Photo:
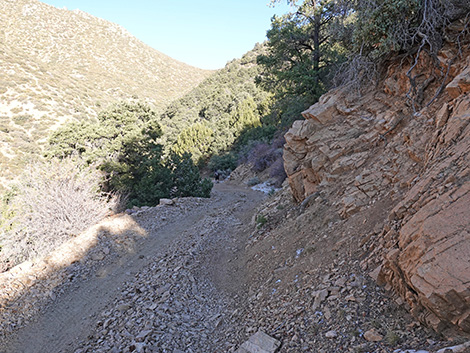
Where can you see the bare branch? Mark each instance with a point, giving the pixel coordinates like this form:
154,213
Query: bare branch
57,200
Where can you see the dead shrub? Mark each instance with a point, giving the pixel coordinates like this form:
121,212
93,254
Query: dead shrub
53,201
356,73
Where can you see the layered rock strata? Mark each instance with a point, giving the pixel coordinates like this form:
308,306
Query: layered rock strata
360,150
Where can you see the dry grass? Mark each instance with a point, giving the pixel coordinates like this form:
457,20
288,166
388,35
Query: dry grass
53,202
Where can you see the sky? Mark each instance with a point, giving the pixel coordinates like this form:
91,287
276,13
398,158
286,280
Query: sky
203,33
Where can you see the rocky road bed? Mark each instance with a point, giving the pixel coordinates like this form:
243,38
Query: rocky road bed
201,275
155,297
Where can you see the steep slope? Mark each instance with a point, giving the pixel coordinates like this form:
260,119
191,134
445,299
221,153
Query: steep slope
212,116
57,64
375,154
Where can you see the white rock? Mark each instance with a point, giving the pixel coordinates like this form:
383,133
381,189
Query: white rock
331,334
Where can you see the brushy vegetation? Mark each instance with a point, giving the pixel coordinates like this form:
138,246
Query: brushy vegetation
87,164
104,64
226,161
52,202
210,118
350,40
228,115
261,220
318,45
124,143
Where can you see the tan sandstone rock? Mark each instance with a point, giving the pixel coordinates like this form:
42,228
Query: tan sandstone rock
355,152
431,265
460,84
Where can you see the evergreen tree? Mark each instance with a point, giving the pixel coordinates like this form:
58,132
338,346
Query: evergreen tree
196,140
302,49
186,180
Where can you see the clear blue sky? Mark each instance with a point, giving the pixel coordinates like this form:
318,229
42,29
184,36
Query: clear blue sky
202,33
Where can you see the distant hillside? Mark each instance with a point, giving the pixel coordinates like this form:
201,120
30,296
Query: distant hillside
57,65
211,118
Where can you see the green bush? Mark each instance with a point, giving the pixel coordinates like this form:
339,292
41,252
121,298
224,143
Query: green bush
22,119
124,144
260,133
253,181
186,179
382,25
224,161
261,220
5,127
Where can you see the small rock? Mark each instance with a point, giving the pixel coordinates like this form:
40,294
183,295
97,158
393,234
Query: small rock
350,298
98,256
373,336
260,342
331,334
139,347
143,334
320,296
340,282
123,307
166,202
327,313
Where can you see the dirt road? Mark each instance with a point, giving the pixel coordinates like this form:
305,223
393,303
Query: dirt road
172,263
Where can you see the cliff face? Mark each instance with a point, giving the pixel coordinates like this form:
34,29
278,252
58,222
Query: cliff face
360,151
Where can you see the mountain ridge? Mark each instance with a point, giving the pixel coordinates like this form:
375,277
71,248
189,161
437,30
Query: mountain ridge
58,64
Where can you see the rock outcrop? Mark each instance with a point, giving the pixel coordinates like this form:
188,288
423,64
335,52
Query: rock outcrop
360,150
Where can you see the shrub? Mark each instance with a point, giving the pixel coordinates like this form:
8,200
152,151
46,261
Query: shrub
278,172
263,156
5,127
260,133
261,220
186,179
52,202
253,181
392,338
22,119
278,142
223,162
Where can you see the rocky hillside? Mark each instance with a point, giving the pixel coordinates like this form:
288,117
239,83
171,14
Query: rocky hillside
364,249
57,64
401,173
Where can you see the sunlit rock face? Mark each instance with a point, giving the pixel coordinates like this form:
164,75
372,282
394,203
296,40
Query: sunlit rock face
360,149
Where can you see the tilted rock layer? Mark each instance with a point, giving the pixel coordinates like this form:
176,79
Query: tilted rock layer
362,149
